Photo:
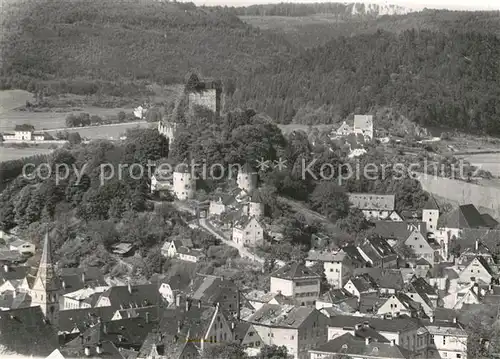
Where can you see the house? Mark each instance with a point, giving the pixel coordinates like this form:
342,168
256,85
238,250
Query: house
461,297
373,206
24,247
400,304
337,267
363,125
208,289
72,322
297,281
26,332
190,254
343,130
297,328
446,339
170,288
422,292
376,251
387,281
321,240
82,298
245,334
478,250
73,279
397,232
350,346
14,278
248,231
162,181
257,298
422,247
123,249
406,332
361,284
222,203
477,271
128,296
171,248
335,297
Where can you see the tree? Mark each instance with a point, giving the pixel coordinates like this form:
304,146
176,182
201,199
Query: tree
274,352
71,120
122,116
354,222
7,216
74,138
224,351
330,200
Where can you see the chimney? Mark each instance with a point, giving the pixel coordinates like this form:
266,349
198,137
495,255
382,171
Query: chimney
178,300
232,325
455,320
14,293
367,340
104,328
129,288
477,245
87,351
147,317
475,289
432,318
366,324
178,326
98,348
83,277
188,304
358,326
5,267
393,342
63,283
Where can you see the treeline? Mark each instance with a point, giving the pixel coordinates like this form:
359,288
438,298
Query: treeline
341,10
435,79
85,119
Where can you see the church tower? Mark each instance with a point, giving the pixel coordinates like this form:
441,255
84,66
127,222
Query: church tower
46,288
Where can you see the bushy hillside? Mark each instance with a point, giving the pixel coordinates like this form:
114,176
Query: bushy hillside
432,77
319,27
129,40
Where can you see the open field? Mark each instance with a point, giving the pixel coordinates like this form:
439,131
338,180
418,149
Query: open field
13,153
108,132
488,162
289,23
12,99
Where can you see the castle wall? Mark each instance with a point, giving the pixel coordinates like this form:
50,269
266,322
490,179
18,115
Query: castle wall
211,98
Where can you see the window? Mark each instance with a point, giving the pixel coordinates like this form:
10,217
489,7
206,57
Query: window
459,356
445,354
444,340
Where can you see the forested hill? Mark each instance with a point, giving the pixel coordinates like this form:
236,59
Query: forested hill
129,40
435,78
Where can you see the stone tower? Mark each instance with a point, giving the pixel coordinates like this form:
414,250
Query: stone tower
184,182
430,214
247,178
255,208
168,129
47,287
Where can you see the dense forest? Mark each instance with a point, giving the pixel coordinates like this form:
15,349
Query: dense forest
437,68
93,46
437,79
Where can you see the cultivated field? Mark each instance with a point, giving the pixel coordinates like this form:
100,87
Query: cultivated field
108,132
13,153
488,162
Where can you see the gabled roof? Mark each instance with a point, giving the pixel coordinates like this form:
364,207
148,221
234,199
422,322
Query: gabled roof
398,230
363,121
489,221
208,289
371,201
465,216
409,303
383,277
24,127
378,246
294,270
335,296
83,318
431,204
394,325
132,296
364,283
353,253
283,316
351,346
13,273
420,285
483,262
25,331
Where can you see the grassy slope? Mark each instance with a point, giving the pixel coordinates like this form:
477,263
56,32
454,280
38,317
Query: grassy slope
128,40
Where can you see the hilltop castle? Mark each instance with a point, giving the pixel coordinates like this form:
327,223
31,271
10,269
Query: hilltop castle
205,93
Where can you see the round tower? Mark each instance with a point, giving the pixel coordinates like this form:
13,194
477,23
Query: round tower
184,182
247,178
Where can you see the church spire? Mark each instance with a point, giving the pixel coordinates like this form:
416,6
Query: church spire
46,275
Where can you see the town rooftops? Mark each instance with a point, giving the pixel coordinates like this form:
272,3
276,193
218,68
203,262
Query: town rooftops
81,319
395,325
324,256
398,230
349,345
26,332
376,247
364,283
128,296
353,254
421,286
444,328
370,201
283,316
465,216
382,277
295,270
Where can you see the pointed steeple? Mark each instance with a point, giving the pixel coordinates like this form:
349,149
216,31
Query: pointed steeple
46,276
